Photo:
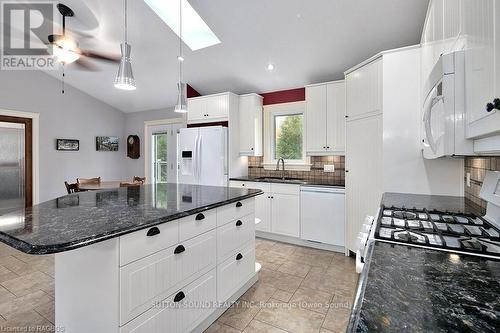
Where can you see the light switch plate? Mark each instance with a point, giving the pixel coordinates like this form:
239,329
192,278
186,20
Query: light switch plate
329,168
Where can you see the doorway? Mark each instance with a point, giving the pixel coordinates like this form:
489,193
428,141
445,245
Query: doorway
16,163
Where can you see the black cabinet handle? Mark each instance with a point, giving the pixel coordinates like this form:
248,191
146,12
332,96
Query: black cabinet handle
200,217
153,232
493,106
489,107
179,249
239,223
239,256
239,204
328,147
179,297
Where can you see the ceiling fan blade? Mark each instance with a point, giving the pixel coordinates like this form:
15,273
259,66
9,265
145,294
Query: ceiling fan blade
86,65
100,55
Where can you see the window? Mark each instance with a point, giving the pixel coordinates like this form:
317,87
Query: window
284,136
160,157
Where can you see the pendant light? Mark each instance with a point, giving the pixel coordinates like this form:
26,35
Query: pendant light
181,105
125,78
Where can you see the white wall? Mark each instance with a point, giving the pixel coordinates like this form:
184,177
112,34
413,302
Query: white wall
73,115
405,170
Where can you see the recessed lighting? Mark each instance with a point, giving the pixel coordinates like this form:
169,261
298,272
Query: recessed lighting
270,67
195,32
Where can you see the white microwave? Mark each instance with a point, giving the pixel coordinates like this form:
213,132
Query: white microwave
444,109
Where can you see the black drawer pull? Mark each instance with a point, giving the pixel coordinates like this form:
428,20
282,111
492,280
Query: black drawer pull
239,223
179,249
200,217
179,297
153,232
239,256
239,204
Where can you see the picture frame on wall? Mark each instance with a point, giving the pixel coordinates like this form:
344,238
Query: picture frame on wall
106,143
67,144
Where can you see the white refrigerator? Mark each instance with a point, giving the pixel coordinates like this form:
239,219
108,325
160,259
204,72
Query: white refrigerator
203,156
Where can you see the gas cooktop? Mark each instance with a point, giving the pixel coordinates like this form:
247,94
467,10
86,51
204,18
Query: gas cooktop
445,230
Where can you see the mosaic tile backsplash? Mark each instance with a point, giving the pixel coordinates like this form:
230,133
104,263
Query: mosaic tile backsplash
477,168
255,169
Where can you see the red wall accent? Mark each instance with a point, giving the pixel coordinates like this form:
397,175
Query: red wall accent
284,96
191,92
217,123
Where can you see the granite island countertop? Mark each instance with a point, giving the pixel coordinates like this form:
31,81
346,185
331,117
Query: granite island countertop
296,182
410,289
84,218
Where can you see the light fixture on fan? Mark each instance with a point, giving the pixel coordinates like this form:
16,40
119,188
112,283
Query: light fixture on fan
181,105
125,78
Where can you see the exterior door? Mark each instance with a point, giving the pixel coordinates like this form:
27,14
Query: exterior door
15,163
164,162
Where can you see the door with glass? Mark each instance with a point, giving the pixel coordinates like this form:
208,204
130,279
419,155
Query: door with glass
164,153
15,164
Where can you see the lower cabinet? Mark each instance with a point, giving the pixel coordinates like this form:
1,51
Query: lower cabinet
181,311
285,214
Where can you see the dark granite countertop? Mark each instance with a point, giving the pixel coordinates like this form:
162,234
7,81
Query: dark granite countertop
85,218
410,289
297,182
429,202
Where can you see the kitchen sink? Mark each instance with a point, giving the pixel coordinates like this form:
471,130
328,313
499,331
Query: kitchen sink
283,180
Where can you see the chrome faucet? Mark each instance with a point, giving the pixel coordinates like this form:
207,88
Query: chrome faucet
278,167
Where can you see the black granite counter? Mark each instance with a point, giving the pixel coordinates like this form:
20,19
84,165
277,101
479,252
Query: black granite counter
429,202
84,218
295,182
410,289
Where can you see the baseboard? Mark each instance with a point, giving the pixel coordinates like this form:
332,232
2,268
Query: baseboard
300,242
219,311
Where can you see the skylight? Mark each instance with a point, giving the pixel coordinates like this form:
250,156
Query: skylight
195,32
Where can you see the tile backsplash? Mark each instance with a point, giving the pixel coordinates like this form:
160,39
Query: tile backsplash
255,169
477,168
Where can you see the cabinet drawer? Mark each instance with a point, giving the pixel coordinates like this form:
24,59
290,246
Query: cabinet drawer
265,187
235,271
172,315
197,224
233,235
153,278
234,211
142,243
286,189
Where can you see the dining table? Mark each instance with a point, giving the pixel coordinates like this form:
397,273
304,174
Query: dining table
104,185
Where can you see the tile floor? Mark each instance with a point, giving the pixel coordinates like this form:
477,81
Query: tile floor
299,290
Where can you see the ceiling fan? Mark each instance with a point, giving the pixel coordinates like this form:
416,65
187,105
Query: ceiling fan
66,51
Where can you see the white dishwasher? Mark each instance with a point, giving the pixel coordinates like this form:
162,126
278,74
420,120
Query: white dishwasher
323,214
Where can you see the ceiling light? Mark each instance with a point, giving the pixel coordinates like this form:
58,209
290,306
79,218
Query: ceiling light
65,50
125,78
270,67
196,33
181,105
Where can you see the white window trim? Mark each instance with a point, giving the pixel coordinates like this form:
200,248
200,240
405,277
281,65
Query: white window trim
276,110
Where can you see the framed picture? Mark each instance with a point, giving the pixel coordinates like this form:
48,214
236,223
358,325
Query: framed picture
67,144
106,143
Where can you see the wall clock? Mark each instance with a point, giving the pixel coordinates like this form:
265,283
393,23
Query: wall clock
133,146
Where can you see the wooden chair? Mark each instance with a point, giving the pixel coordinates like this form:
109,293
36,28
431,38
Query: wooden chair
96,180
130,184
141,180
72,188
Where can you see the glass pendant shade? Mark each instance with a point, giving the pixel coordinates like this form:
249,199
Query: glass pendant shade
181,105
125,78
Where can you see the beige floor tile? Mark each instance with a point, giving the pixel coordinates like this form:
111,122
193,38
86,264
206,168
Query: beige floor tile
6,274
270,256
311,299
283,249
27,321
17,266
280,280
256,326
239,315
320,281
282,296
47,310
11,308
318,259
291,319
323,330
296,269
259,292
29,283
218,327
5,295
263,244
337,317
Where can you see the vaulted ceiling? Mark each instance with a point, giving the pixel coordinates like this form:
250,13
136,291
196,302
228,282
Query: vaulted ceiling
308,41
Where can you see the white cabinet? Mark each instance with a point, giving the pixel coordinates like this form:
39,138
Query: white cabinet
250,110
325,118
263,212
211,108
364,91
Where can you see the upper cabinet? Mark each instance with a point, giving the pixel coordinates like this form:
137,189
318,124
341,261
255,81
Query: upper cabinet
251,125
211,108
325,118
364,90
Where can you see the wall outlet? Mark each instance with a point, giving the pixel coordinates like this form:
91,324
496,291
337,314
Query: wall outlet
467,179
329,168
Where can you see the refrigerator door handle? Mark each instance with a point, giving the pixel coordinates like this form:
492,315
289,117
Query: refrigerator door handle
195,160
199,158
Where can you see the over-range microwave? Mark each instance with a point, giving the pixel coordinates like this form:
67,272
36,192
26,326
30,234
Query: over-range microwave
444,117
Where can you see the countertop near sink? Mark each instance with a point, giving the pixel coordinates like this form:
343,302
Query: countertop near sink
298,182
410,289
